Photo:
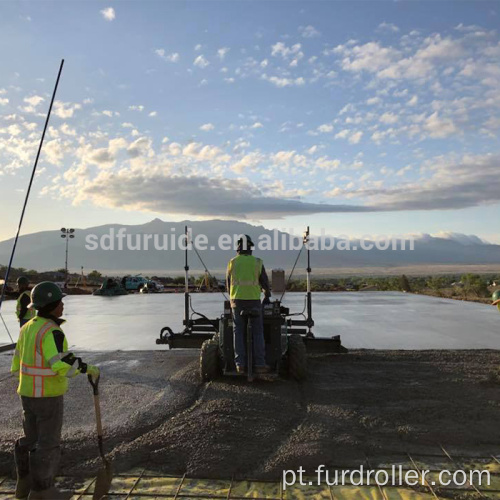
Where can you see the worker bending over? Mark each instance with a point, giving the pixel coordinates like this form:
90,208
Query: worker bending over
44,365
23,312
246,277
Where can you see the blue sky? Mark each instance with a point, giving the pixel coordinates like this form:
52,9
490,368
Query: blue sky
356,117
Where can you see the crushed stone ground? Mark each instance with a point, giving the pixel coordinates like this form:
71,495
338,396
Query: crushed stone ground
157,412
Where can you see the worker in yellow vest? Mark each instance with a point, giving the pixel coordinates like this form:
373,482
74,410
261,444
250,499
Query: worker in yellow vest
246,278
23,312
44,365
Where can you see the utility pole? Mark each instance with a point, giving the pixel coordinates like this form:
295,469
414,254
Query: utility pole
67,233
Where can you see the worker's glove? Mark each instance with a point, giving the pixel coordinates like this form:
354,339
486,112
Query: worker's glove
266,301
93,371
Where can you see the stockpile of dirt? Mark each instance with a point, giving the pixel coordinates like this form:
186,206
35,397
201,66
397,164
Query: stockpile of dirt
373,403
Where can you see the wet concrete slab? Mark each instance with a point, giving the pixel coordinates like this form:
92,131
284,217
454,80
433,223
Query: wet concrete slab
369,320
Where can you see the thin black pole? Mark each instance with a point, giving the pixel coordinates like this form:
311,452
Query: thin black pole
29,188
186,282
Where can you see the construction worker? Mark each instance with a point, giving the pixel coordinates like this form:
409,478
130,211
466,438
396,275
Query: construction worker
496,299
245,279
23,312
44,365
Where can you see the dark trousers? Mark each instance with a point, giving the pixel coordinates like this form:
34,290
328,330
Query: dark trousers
257,325
38,452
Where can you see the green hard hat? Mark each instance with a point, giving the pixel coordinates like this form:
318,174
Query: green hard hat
23,281
496,295
45,293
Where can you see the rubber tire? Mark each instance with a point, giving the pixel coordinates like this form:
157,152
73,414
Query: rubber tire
209,360
297,357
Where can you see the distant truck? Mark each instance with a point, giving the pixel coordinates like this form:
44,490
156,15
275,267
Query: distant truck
133,283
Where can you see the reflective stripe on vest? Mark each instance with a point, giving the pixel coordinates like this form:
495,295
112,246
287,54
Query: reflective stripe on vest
43,372
244,272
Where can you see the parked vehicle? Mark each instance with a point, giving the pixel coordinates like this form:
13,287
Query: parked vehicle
133,283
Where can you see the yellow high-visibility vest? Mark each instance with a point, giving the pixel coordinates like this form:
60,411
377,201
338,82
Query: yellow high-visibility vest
42,373
244,272
30,313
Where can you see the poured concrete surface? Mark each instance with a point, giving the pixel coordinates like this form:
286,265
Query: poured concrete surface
371,320
157,413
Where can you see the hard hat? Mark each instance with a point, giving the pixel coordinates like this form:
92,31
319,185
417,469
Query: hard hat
23,281
45,293
245,242
496,295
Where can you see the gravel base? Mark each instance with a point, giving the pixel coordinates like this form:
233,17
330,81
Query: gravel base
157,412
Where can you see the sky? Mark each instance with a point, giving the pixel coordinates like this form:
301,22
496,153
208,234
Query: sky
353,117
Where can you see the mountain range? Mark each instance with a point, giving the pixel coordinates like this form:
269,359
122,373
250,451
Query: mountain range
46,250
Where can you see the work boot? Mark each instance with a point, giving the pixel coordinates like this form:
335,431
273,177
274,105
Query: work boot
21,459
23,486
50,494
241,369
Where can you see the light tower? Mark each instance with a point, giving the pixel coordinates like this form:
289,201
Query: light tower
67,233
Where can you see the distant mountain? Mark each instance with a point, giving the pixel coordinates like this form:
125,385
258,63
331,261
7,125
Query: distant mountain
46,250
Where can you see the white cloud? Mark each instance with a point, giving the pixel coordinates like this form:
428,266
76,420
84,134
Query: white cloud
197,47
373,100
327,164
257,125
139,108
370,57
413,101
4,101
325,128
280,49
284,82
309,31
110,113
221,53
207,127
388,27
54,151
439,127
201,62
352,136
173,57
34,100
67,130
355,137
108,14
65,109
248,161
153,113
388,118
127,125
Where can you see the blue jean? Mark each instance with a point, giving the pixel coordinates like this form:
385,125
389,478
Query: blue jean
259,346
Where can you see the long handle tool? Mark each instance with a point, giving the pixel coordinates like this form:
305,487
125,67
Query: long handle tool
105,474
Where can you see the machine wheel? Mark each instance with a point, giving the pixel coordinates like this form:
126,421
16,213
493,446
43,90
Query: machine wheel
297,357
209,360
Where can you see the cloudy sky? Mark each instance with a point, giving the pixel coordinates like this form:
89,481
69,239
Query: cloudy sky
357,117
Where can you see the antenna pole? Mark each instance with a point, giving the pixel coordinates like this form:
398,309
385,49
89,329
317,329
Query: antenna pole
186,281
4,288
